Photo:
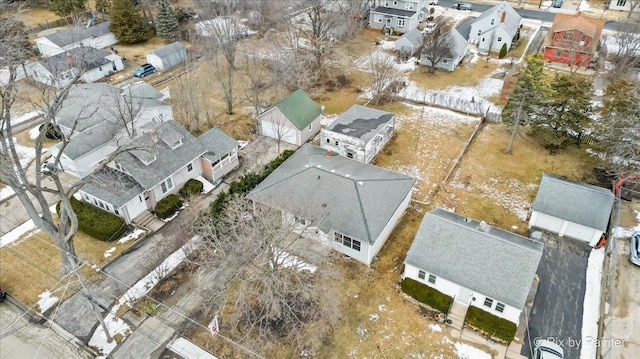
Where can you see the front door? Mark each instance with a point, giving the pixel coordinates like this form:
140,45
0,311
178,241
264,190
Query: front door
464,296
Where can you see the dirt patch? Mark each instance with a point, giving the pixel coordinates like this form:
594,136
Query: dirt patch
35,15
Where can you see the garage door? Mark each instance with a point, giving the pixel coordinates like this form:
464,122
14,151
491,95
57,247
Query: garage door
273,130
580,232
550,223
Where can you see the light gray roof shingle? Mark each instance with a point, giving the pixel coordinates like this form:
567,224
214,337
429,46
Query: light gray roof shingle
217,143
167,161
91,139
574,201
361,122
172,54
72,35
413,36
464,28
335,192
511,20
457,44
113,187
83,57
493,262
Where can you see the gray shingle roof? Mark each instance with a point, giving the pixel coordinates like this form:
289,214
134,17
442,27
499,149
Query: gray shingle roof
172,54
574,201
335,192
511,20
217,144
494,262
83,57
413,36
167,161
464,28
91,139
395,12
361,122
72,35
113,186
457,44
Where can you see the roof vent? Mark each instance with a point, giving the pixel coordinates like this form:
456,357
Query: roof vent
319,166
483,226
360,183
347,176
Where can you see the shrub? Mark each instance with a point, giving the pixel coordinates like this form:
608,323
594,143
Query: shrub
217,207
491,324
503,51
271,166
168,206
427,295
97,223
191,188
245,183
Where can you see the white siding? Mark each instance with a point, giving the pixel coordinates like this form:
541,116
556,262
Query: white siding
46,47
544,221
565,228
179,178
388,228
133,208
156,61
509,313
346,144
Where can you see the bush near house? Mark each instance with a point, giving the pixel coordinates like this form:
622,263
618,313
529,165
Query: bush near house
491,324
96,222
427,295
191,188
168,206
503,51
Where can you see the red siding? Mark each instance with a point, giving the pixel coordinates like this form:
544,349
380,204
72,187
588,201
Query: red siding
581,56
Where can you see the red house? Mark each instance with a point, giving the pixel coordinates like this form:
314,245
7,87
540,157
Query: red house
573,39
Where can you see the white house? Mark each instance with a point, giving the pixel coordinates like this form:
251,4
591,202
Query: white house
572,209
495,27
167,57
165,158
359,133
97,36
96,116
94,64
456,50
398,16
474,263
409,43
346,204
295,119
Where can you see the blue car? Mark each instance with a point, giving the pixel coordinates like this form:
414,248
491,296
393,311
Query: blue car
557,3
144,70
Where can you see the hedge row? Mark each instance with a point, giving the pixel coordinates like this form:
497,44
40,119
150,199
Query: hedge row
191,188
168,206
491,324
96,222
427,295
245,184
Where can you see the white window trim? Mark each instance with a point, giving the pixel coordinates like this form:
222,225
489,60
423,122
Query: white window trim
166,185
401,22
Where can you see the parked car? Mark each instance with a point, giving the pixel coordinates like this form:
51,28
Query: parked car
3,294
144,70
557,3
634,256
429,28
545,349
462,6
433,2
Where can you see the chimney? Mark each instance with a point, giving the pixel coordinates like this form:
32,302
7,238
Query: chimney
329,153
483,226
154,137
504,15
70,60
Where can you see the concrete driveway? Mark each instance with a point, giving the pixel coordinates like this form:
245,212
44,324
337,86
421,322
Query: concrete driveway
557,310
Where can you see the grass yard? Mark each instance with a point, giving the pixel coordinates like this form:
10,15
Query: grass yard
465,75
35,15
499,188
31,265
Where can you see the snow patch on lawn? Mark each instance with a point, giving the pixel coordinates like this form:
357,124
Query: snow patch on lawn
137,291
591,311
34,132
109,252
133,235
326,120
27,227
6,192
288,260
466,351
25,117
435,328
46,301
622,232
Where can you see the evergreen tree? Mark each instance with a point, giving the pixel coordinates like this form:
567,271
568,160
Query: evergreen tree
103,6
567,112
167,25
503,51
64,8
527,97
127,23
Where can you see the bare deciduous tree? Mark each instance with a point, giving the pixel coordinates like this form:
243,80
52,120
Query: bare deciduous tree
260,80
437,44
627,54
382,73
265,293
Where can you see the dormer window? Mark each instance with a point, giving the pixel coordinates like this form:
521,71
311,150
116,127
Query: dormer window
149,161
176,145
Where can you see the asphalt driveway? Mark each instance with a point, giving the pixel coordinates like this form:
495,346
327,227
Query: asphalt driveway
557,310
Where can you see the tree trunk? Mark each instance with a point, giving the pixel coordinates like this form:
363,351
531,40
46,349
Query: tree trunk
514,132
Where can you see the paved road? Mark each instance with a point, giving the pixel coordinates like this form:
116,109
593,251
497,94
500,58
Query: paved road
557,310
21,338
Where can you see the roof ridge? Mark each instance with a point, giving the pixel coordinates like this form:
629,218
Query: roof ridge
587,186
364,216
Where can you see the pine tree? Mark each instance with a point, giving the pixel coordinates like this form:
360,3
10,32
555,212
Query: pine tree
127,23
527,97
64,8
167,25
103,6
503,51
567,112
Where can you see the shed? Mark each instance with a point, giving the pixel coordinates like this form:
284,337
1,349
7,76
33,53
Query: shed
295,119
409,43
167,57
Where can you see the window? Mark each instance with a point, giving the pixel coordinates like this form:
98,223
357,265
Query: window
140,198
378,18
621,2
395,2
500,307
432,279
422,274
408,6
328,140
167,185
115,210
559,53
400,22
488,302
336,143
311,126
189,167
479,32
493,21
584,37
349,155
347,241
499,38
567,36
445,61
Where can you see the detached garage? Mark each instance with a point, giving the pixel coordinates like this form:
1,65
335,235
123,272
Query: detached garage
573,209
295,119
